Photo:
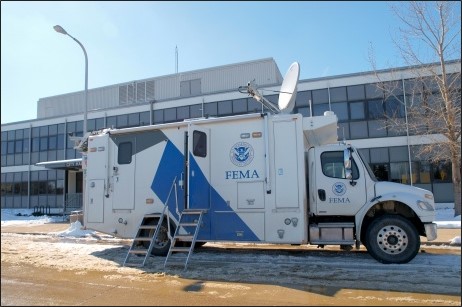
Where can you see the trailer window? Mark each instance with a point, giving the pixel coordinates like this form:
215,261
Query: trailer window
332,165
199,144
125,153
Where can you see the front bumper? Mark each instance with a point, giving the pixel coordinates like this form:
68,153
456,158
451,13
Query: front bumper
431,231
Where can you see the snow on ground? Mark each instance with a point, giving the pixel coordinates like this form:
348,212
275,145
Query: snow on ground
79,249
445,219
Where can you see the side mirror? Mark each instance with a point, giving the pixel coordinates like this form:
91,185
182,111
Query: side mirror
347,163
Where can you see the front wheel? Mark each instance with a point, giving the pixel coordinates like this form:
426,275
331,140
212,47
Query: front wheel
392,239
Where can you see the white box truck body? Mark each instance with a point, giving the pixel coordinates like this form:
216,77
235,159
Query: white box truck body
263,178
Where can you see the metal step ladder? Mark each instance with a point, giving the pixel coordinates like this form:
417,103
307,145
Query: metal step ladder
186,231
138,253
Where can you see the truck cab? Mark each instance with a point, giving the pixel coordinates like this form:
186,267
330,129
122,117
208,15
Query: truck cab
348,204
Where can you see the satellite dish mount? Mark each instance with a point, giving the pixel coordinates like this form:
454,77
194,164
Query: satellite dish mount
287,93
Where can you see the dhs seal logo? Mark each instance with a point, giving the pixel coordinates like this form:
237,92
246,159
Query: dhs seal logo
241,154
339,188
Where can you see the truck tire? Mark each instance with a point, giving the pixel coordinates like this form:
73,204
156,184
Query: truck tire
392,239
162,244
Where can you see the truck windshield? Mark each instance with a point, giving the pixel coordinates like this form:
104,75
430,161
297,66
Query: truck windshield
366,165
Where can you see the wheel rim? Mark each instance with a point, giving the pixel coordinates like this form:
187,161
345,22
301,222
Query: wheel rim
162,237
392,239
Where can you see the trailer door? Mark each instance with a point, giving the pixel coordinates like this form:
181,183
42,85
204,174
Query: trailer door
198,168
123,173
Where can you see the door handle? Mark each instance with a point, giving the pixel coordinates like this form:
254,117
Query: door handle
322,194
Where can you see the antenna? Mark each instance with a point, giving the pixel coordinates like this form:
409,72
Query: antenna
176,59
287,93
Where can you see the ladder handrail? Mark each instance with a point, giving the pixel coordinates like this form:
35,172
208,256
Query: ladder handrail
165,213
166,206
197,224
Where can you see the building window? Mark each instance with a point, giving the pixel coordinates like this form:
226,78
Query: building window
211,109
341,110
111,122
355,92
225,107
122,121
424,172
182,113
373,91
394,108
357,110
381,171
195,110
375,109
337,94
303,99
399,172
158,117
442,172
170,115
319,109
133,119
190,88
240,106
358,130
144,118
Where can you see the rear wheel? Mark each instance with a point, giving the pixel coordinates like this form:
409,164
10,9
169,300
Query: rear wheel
162,243
392,239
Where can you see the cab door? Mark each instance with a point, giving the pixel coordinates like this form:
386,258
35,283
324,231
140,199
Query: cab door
335,194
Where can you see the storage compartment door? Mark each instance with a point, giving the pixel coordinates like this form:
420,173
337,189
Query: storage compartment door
95,201
285,164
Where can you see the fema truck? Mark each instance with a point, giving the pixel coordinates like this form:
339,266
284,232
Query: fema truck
272,177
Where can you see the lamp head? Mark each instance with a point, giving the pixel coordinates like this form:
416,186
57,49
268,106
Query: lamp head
60,29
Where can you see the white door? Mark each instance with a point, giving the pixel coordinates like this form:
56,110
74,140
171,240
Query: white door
123,173
198,167
334,193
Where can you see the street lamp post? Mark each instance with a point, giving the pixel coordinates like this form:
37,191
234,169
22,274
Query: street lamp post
59,29
62,31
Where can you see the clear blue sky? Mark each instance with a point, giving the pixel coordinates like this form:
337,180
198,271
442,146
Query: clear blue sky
127,41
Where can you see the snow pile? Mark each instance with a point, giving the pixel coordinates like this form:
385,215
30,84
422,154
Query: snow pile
455,241
25,216
75,230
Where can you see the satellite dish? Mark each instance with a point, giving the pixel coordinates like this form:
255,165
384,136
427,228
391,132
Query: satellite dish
288,92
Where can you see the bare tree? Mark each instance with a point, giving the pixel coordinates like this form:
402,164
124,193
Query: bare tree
428,94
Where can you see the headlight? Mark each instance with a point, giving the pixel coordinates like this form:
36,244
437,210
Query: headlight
425,205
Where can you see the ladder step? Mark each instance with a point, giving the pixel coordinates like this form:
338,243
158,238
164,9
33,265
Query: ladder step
188,224
138,251
184,237
180,249
192,211
148,227
151,215
142,239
